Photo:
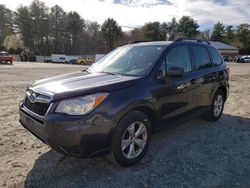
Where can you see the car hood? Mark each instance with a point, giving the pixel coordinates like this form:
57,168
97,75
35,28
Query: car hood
80,83
5,56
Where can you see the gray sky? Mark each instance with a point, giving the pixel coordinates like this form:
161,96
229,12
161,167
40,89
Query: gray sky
132,13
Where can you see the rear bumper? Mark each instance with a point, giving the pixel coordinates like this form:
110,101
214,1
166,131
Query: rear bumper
83,136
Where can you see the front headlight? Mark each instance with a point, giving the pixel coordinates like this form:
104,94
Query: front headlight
80,105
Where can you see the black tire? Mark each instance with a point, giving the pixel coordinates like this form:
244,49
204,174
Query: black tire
117,154
211,115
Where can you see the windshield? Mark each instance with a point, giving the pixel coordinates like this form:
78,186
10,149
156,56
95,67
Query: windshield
128,60
3,53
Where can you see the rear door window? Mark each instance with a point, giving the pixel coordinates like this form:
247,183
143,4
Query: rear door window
215,56
200,57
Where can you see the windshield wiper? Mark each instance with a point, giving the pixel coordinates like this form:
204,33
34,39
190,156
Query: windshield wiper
111,73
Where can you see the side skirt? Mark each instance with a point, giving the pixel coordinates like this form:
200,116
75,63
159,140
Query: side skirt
181,120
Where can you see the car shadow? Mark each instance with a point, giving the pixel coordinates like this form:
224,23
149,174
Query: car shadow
195,154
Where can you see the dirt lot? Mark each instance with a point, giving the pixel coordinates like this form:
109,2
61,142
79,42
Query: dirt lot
196,154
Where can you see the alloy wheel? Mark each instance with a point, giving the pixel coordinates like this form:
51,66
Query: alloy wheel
218,105
134,140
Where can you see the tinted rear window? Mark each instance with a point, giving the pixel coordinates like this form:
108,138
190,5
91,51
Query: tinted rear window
200,57
215,56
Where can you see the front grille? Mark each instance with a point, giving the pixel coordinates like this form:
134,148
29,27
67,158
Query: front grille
38,108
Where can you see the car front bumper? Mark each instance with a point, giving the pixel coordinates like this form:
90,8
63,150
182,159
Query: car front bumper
79,136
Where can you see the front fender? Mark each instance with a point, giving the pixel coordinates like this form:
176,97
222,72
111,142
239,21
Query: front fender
121,102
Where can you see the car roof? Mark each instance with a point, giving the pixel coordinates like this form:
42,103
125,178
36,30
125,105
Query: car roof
151,43
167,43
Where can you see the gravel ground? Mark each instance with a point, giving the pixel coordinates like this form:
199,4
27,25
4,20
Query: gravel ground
195,154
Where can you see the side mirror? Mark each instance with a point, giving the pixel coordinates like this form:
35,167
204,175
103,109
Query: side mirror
175,72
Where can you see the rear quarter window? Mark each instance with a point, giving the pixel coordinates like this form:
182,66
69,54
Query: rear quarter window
215,56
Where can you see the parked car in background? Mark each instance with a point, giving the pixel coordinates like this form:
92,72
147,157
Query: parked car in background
135,90
244,59
6,58
72,61
58,58
85,61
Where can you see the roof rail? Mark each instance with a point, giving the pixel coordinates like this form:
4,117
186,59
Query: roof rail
137,41
197,40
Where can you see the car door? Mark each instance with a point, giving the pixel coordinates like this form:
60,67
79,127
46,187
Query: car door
175,96
205,75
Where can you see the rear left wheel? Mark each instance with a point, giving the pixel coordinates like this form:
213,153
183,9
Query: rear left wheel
216,107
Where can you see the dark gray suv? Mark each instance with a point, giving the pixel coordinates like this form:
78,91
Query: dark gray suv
132,92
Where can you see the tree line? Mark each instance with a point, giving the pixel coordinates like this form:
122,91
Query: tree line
52,30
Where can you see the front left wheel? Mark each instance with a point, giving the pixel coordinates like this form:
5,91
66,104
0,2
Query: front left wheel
131,139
